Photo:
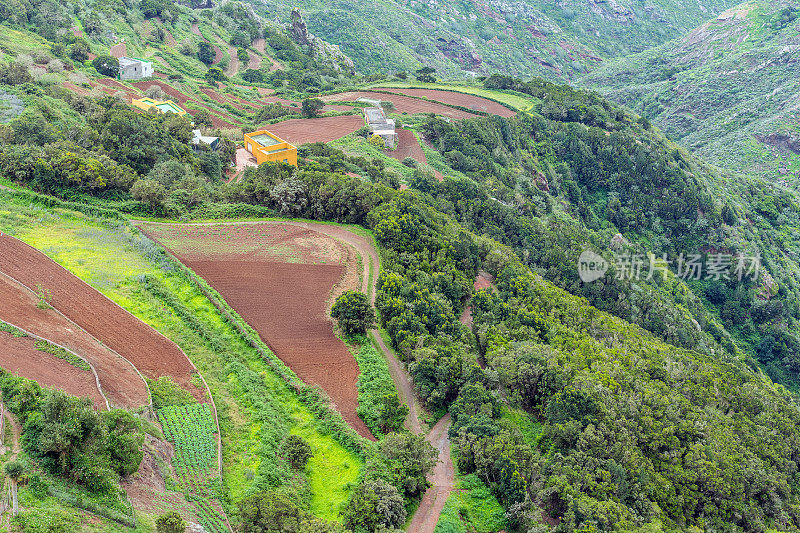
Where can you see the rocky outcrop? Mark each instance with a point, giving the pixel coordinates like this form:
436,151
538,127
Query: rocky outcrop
461,52
324,52
784,142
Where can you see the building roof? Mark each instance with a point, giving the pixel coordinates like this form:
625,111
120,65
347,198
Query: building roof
375,115
266,139
125,61
198,137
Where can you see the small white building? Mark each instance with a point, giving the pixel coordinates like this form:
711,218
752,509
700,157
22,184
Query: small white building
131,68
198,138
381,126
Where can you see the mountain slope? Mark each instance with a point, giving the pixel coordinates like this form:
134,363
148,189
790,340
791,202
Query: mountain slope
520,37
729,90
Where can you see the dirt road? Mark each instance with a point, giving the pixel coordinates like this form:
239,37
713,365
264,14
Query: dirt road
441,478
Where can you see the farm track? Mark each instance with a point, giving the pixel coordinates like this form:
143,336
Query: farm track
119,381
147,350
442,477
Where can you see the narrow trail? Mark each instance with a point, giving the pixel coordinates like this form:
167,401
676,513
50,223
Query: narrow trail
442,476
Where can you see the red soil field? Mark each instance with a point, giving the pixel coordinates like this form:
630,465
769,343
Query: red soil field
455,98
408,146
150,352
300,131
119,380
402,104
259,44
19,356
285,302
233,65
214,95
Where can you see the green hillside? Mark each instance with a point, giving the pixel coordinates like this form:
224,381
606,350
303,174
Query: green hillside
727,91
554,40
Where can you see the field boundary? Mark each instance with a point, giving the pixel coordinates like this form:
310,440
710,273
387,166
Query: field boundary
309,395
94,372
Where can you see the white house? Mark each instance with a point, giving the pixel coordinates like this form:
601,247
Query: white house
131,68
381,126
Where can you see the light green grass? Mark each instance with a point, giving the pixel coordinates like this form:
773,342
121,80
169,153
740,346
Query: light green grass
471,507
107,259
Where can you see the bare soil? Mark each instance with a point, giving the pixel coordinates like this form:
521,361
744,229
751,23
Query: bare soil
408,146
119,381
469,101
402,104
19,356
150,352
280,279
300,131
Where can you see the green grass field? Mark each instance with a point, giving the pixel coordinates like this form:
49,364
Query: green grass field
255,406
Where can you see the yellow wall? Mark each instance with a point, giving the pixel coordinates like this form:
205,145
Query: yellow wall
147,103
287,152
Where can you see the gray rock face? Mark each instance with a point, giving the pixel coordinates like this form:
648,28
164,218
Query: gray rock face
326,53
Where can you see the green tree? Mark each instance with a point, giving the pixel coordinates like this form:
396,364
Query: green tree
391,413
106,65
215,74
297,451
170,522
14,471
426,75
150,192
125,440
312,107
252,76
375,505
202,118
205,53
267,512
80,51
354,312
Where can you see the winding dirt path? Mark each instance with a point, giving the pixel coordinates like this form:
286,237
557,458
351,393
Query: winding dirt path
441,478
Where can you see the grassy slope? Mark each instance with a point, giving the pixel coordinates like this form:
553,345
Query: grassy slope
106,259
719,87
534,37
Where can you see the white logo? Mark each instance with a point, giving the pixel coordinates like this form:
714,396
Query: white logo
591,266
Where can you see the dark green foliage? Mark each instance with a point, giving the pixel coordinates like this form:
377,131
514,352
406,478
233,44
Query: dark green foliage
374,505
205,53
14,469
354,313
297,451
215,74
402,460
426,75
274,512
170,522
80,51
252,76
312,107
106,65
69,438
154,8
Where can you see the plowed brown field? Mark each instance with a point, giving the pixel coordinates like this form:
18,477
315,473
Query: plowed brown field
19,356
455,98
150,352
121,383
402,104
279,278
299,131
408,146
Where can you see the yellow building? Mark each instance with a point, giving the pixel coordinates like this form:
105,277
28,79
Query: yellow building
164,106
267,147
